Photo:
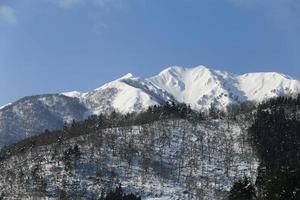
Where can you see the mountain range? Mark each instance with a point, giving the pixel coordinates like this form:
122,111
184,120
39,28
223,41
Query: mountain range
200,87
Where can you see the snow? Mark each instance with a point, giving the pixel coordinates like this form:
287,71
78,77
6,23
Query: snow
258,86
199,87
128,97
1,107
129,75
72,94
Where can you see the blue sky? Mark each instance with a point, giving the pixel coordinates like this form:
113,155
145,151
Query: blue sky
49,46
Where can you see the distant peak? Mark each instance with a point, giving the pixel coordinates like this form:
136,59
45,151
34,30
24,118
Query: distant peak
72,94
2,107
270,74
277,74
182,71
201,67
172,68
129,75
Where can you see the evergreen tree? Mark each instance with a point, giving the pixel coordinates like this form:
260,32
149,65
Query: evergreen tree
242,190
276,137
118,194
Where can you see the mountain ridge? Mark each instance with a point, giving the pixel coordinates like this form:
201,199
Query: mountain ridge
200,87
175,79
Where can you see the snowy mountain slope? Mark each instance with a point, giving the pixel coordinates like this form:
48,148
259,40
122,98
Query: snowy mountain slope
200,87
259,86
127,94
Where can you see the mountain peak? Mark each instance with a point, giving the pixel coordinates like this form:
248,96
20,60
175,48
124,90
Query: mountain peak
127,76
2,107
200,87
180,69
72,94
172,69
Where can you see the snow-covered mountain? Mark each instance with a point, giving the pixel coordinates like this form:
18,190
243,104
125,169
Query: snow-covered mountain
199,87
126,94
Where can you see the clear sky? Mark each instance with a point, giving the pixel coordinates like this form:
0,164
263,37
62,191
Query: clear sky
49,46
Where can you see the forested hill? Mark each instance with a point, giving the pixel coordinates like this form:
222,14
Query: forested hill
166,152
94,123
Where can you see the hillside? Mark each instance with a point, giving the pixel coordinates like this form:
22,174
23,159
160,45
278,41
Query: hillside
167,159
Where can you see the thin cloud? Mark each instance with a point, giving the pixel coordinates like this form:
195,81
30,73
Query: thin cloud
100,3
101,20
276,9
68,3
268,4
7,14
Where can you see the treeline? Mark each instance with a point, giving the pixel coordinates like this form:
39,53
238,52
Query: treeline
117,194
275,136
280,102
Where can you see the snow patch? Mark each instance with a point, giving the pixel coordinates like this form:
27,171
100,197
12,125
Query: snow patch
73,94
1,107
